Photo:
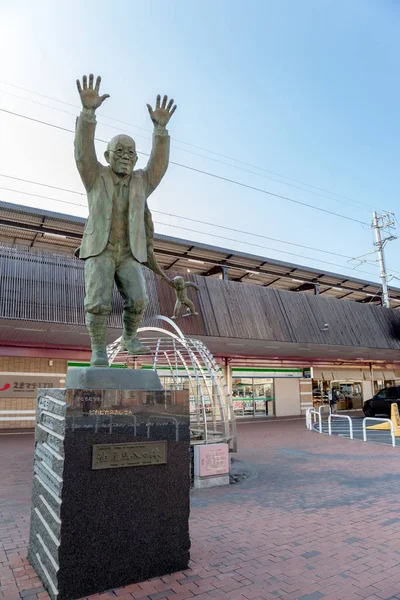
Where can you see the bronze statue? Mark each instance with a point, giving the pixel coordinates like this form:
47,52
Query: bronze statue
118,237
181,286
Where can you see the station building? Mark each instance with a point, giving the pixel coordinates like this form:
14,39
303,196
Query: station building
283,334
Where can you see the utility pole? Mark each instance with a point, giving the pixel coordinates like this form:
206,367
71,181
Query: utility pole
380,222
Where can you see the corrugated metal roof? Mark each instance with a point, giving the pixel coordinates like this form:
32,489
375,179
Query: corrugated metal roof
49,230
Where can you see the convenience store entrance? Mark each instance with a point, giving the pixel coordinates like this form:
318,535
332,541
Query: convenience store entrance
253,397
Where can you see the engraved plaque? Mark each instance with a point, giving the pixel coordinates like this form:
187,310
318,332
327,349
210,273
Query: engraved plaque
211,459
53,405
140,454
44,454
48,421
47,476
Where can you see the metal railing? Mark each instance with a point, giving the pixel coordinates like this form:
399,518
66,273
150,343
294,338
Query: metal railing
311,418
331,416
312,415
380,421
322,408
308,417
185,363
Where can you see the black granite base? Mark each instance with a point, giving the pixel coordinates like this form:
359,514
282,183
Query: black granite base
93,529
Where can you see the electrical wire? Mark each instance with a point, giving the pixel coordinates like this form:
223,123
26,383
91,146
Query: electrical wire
53,187
259,246
68,202
43,197
68,112
160,212
187,144
220,237
265,237
214,175
187,218
361,205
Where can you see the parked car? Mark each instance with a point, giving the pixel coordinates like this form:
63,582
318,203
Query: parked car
381,403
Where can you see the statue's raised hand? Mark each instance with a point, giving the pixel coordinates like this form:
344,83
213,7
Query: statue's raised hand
162,113
90,96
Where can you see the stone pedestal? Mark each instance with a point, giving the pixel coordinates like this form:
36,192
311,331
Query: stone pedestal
106,378
110,503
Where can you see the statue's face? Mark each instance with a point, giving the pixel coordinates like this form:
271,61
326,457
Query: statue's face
121,155
179,281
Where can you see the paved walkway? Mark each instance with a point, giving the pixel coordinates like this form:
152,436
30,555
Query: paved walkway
318,518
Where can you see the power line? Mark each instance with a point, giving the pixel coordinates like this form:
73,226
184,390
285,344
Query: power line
169,215
258,235
215,176
221,237
68,112
53,187
221,162
256,189
10,112
259,246
374,263
192,146
43,197
18,87
200,232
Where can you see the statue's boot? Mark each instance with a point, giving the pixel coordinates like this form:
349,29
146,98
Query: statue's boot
97,327
130,341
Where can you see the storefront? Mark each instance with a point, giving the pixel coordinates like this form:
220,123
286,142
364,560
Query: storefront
352,386
254,390
384,379
253,397
349,393
253,328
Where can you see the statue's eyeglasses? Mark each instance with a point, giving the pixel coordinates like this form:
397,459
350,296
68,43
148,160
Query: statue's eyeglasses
121,153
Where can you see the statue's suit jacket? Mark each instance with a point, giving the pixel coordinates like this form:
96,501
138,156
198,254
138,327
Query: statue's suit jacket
99,186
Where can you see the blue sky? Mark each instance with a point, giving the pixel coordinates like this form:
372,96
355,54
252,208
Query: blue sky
307,90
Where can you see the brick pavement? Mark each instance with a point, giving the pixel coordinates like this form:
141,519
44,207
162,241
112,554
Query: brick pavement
317,519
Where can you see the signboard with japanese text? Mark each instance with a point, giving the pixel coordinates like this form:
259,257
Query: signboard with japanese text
112,456
25,386
211,460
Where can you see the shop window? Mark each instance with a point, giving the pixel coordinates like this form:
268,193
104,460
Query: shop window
379,384
175,383
348,393
253,397
320,391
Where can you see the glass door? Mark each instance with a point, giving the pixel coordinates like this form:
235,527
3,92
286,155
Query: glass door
263,397
242,397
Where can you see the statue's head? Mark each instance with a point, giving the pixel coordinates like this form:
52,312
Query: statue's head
179,281
121,154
